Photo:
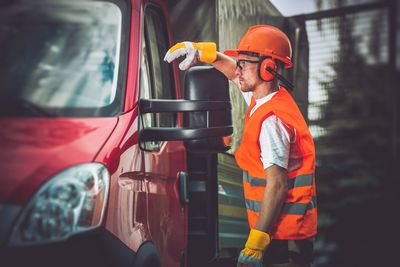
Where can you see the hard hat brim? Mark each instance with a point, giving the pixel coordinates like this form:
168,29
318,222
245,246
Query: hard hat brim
232,52
235,52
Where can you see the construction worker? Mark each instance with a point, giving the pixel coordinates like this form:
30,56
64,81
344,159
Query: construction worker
277,151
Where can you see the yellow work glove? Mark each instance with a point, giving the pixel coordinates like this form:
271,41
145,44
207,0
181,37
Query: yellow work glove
205,52
252,254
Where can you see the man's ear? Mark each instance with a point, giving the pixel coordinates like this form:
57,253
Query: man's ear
279,66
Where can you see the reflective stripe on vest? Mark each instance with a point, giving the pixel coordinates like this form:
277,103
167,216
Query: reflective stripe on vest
288,208
298,181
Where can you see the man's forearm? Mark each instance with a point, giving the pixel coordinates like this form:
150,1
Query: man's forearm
272,202
226,65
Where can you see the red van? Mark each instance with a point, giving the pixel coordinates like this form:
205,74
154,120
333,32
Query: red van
102,162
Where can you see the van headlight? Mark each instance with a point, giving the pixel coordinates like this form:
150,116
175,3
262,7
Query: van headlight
71,202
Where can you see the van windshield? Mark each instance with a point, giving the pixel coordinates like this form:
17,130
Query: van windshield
59,58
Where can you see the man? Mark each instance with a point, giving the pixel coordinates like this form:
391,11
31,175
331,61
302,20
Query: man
277,151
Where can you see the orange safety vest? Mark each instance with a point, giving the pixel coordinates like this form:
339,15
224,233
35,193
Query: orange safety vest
298,217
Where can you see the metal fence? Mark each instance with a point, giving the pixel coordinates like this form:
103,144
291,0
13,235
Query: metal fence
352,115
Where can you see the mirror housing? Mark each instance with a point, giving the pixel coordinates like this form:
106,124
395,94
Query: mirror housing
207,84
206,112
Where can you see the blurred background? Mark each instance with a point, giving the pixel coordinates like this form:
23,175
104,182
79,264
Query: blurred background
346,67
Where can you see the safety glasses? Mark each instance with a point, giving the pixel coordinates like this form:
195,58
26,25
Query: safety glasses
241,63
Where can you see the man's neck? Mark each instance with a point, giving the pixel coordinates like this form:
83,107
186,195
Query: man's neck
265,88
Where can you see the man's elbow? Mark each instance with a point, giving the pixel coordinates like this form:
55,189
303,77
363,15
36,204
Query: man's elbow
282,186
277,179
279,186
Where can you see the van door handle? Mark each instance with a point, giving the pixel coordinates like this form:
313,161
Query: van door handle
183,187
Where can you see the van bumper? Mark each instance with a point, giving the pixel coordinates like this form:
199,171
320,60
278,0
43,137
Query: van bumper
97,248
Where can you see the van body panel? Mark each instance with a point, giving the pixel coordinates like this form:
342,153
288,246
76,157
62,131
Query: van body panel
33,150
145,195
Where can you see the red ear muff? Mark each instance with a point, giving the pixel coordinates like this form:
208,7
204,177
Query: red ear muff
263,73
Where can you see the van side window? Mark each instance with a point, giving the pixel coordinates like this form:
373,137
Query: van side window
156,76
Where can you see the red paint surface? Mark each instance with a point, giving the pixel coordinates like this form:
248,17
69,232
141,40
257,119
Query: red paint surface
143,203
33,150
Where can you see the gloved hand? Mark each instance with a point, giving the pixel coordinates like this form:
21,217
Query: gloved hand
205,52
252,254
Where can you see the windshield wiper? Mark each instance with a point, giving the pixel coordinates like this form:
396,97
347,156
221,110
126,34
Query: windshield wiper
21,107
35,108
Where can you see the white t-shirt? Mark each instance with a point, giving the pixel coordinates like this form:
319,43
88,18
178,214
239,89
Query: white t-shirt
277,139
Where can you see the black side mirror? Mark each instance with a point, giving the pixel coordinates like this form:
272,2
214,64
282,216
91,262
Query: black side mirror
206,112
207,84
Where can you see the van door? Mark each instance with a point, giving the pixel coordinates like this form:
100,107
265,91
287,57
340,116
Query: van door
164,160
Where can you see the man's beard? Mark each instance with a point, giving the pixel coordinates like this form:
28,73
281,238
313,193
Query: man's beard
246,87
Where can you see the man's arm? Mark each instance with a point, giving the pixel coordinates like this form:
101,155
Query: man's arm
259,237
226,65
274,197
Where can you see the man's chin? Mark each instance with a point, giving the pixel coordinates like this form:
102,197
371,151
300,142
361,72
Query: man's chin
245,89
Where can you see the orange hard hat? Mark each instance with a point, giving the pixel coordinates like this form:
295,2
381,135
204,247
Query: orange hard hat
265,40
